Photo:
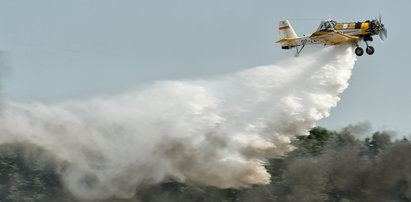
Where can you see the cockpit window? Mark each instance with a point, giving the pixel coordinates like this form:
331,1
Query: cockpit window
322,27
327,25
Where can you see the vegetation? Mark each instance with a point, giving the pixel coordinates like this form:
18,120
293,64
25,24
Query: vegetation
325,166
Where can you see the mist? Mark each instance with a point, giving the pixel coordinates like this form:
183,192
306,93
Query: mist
216,132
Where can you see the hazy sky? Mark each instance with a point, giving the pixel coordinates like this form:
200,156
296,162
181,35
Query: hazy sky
65,50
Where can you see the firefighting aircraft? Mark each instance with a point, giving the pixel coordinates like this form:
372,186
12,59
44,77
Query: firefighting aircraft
332,33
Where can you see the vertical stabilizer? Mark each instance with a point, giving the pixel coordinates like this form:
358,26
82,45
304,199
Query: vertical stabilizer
286,30
287,35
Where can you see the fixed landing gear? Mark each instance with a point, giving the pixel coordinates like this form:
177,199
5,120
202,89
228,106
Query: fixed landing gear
359,51
369,50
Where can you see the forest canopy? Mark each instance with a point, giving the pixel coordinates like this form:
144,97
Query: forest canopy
325,166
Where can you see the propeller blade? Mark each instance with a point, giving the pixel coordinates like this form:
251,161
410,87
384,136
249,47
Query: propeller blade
382,41
383,34
384,31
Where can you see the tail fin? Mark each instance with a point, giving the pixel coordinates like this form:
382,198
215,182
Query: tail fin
287,34
286,30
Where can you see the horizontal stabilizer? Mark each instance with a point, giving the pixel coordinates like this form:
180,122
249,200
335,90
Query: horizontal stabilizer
286,40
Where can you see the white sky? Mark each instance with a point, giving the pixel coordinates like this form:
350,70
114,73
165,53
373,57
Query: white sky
63,50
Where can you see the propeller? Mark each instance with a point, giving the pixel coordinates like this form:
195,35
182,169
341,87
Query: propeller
380,28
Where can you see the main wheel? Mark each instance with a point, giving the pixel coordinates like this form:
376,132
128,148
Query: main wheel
370,50
359,51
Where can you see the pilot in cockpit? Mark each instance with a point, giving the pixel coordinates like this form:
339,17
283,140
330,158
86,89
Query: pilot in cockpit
327,25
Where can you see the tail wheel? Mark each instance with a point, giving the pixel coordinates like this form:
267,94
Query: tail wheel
370,50
359,51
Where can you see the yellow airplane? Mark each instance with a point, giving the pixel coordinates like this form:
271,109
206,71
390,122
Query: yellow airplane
332,33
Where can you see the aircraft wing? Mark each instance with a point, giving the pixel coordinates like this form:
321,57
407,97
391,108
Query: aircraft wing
331,37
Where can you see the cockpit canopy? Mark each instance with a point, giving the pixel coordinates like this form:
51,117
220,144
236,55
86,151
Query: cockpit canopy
327,25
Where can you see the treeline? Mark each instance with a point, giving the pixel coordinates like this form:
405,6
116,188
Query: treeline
326,166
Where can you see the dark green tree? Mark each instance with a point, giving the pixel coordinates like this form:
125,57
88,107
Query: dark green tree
315,142
378,142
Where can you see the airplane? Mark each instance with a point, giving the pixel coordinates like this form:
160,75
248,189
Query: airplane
332,33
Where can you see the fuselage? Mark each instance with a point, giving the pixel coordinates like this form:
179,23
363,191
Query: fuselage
364,30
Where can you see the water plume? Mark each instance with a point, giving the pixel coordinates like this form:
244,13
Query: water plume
216,131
